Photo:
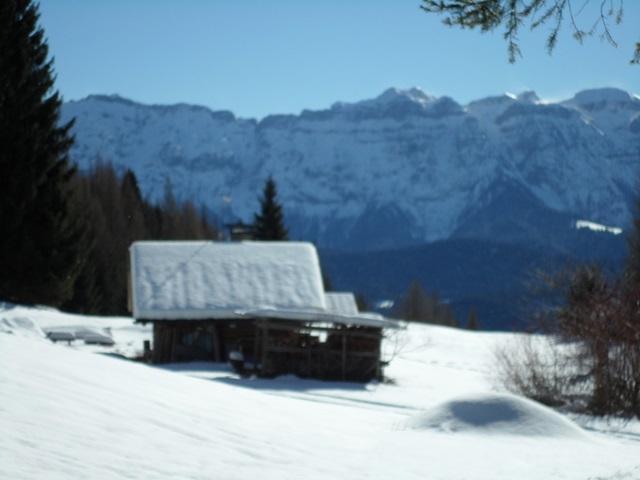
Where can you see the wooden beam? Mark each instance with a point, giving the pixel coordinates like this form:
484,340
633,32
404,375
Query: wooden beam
217,357
265,345
311,350
305,327
344,357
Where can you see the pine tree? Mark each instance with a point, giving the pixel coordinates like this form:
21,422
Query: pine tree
269,223
419,306
416,305
489,15
633,243
472,320
362,303
40,244
87,296
133,208
169,228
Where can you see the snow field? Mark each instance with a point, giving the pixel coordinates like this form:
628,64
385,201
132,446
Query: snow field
66,412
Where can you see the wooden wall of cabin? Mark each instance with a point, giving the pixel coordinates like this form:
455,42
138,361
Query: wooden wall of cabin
238,335
205,340
347,353
276,347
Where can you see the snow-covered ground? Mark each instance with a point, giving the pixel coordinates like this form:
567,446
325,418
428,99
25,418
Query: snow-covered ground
70,411
597,227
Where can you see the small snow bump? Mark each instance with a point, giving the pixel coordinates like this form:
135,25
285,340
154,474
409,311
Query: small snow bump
496,414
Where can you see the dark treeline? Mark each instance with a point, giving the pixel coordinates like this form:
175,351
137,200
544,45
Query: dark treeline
419,306
116,214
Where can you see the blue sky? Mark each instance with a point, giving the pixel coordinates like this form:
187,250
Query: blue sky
256,57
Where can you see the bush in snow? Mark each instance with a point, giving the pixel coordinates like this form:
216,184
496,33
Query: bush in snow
590,359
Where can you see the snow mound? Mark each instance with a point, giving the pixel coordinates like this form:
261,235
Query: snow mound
496,414
21,326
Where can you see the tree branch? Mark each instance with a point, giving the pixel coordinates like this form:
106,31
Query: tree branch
487,15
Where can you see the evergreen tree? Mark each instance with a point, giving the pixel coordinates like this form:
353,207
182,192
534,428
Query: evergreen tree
472,320
489,15
41,241
133,208
108,228
419,306
416,305
169,228
362,303
116,214
633,241
269,223
87,297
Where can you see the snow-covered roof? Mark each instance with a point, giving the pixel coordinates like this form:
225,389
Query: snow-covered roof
204,279
343,303
364,319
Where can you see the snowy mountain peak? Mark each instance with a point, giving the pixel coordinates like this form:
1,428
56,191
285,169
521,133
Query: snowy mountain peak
601,96
390,98
608,109
489,108
106,98
398,169
115,108
414,94
528,97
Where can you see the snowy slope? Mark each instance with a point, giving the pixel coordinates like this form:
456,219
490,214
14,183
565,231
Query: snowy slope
36,323
67,413
401,168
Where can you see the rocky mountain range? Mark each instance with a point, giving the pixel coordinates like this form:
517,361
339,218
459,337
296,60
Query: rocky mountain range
404,168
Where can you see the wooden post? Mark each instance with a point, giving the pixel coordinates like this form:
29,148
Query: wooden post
155,353
146,350
256,346
172,336
216,343
344,357
265,344
378,371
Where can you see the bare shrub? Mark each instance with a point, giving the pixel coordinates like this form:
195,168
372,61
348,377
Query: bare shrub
539,368
395,343
589,359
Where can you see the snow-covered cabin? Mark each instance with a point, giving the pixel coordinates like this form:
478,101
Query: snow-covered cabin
263,301
342,303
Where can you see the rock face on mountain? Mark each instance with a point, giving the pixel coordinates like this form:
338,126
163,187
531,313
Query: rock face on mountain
400,169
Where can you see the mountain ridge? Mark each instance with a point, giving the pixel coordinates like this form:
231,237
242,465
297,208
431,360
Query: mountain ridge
405,167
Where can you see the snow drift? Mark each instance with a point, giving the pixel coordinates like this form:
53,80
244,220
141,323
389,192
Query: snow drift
21,326
496,414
